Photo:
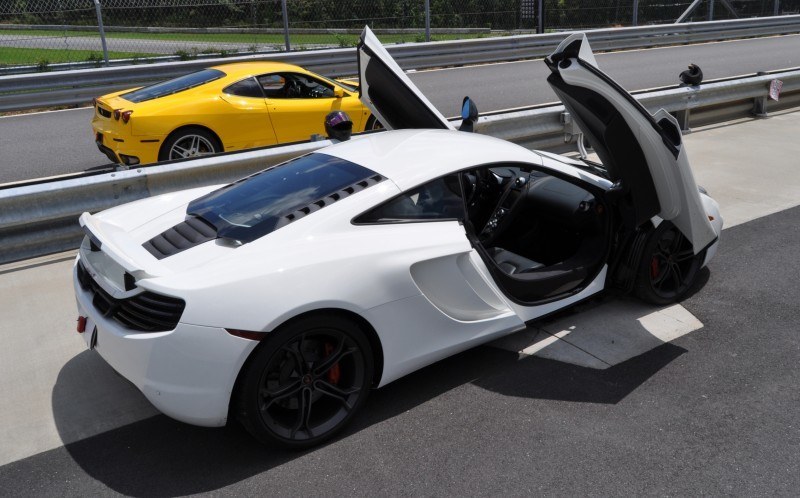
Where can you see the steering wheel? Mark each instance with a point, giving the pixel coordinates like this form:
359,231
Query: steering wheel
293,89
504,210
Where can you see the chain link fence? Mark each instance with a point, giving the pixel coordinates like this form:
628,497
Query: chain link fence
46,34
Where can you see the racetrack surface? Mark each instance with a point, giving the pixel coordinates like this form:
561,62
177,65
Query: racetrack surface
715,412
46,144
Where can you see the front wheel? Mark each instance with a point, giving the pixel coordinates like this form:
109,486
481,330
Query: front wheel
373,124
306,382
669,266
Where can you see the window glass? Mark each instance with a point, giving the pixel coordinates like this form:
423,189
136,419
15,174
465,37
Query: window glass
245,88
254,206
173,86
436,200
294,86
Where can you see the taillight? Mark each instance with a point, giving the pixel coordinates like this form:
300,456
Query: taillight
126,116
116,114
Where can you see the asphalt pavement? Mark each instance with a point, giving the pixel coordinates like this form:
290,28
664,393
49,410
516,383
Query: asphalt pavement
714,412
46,144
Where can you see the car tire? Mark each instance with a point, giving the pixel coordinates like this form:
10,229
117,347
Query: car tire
189,142
373,124
668,268
305,382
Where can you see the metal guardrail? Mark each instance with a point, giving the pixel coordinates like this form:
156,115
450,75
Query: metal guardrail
40,217
27,91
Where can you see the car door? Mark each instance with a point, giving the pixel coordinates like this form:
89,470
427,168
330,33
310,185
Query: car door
244,121
643,151
298,104
391,96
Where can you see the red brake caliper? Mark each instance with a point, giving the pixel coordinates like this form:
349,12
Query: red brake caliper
654,269
334,373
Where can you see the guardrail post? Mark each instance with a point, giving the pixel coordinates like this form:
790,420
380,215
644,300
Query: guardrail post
427,20
286,25
98,11
635,21
683,120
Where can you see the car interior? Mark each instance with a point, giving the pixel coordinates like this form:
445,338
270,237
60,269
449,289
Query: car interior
293,86
541,236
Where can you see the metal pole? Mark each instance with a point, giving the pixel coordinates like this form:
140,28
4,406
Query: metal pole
688,11
540,17
710,10
286,25
635,12
102,30
427,20
776,10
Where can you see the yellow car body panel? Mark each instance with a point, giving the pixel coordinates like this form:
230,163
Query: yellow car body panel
236,122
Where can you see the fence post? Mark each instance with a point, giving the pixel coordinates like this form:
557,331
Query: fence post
427,20
777,8
97,10
540,17
286,25
710,10
635,12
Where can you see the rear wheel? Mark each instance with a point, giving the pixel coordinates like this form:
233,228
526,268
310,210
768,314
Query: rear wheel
669,266
189,142
306,382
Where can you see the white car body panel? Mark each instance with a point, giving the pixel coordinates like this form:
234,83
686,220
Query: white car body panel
371,51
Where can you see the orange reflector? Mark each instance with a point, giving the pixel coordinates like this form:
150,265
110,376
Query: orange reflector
81,324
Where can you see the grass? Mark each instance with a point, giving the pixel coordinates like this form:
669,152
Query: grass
266,39
44,57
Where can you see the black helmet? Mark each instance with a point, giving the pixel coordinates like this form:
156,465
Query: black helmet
338,126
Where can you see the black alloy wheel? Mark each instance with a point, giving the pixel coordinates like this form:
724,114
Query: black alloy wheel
306,382
669,266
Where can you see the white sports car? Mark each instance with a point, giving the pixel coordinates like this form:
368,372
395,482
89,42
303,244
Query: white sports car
283,298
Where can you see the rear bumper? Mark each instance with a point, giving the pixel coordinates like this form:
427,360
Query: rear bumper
113,144
187,373
110,154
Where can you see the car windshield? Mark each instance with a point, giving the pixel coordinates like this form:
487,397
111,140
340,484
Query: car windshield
173,86
259,204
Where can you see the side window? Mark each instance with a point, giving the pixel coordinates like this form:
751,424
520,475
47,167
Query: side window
273,85
245,88
439,199
294,86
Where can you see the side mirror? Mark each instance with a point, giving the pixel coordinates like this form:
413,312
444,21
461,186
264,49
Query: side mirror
338,92
469,115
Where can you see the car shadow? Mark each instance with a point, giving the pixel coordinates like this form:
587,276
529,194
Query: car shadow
158,456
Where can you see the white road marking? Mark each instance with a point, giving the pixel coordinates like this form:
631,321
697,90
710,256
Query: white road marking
44,112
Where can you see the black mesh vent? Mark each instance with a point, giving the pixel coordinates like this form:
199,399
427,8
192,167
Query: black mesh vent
186,234
326,201
145,312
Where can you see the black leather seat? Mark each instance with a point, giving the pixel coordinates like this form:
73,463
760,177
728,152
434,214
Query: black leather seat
512,263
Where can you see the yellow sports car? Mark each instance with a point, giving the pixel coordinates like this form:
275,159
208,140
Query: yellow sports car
222,108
